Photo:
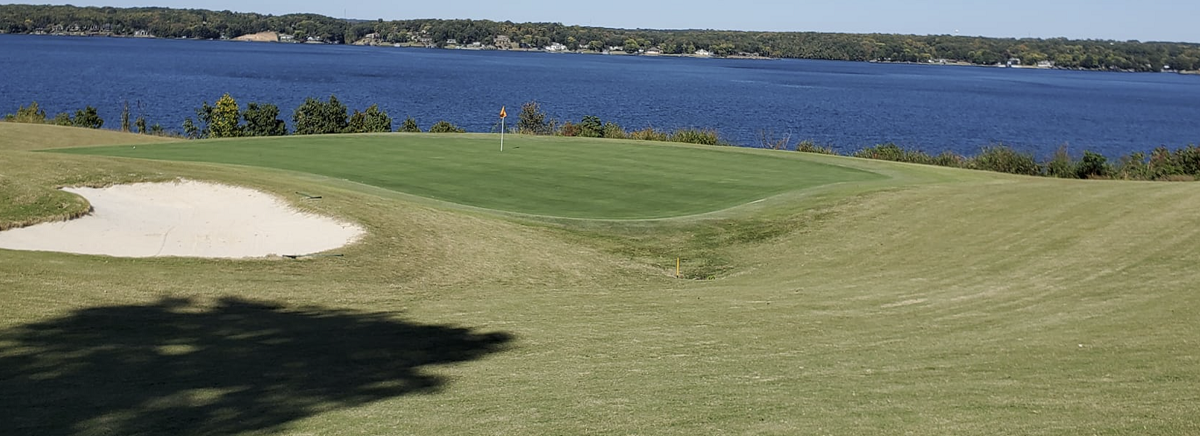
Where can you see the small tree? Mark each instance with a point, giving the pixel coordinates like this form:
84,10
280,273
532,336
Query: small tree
190,130
1092,165
226,119
410,125
125,117
371,120
63,119
315,117
263,120
591,127
141,124
445,127
88,117
532,120
27,114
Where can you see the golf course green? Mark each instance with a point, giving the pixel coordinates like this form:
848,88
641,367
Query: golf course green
534,291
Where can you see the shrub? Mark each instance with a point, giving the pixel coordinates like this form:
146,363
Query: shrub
1061,164
1133,167
125,117
315,117
613,131
1162,163
950,159
810,146
591,127
895,153
1004,159
532,120
410,125
263,120
27,114
445,127
1093,165
568,129
371,120
88,117
696,136
220,121
63,119
1188,160
649,134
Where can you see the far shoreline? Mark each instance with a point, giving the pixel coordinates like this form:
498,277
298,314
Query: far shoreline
947,62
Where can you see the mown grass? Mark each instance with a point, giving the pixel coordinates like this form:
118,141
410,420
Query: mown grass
936,301
549,176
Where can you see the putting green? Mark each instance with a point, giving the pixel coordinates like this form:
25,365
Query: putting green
534,175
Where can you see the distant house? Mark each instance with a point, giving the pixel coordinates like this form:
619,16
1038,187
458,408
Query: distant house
451,41
653,51
704,53
286,38
1045,64
555,48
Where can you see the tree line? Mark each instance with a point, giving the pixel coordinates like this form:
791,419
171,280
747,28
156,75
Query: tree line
204,24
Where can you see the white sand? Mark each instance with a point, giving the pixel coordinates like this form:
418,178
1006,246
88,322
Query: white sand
188,218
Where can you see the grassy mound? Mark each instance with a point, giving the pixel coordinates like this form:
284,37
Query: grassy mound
932,301
534,175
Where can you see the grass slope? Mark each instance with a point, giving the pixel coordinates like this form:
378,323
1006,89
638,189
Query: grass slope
935,302
534,175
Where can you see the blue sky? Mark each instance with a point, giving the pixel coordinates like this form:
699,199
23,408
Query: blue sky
1145,20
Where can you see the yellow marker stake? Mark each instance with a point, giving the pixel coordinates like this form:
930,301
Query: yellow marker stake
676,267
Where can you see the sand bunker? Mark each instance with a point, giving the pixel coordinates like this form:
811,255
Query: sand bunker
188,218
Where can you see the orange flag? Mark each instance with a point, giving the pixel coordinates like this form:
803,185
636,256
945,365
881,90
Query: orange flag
503,114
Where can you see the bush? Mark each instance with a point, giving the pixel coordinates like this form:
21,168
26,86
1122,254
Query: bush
315,117
27,114
263,120
532,120
591,127
88,117
649,134
895,153
445,127
63,119
1004,159
410,125
1188,160
568,129
613,131
1133,167
696,136
810,146
1093,165
1061,164
371,120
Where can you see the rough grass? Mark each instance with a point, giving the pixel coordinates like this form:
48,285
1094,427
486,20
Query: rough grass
937,301
550,176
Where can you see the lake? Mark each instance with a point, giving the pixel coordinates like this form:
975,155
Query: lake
845,104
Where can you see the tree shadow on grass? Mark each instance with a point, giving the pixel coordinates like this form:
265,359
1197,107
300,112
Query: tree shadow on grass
175,367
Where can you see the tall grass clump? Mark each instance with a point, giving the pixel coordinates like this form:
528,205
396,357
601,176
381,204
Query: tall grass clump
696,136
810,146
1004,159
649,134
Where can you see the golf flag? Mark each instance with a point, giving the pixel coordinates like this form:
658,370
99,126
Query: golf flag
503,114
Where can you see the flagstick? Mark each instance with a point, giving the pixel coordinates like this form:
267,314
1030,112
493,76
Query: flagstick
502,134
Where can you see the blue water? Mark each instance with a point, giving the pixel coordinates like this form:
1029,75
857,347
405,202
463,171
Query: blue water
848,105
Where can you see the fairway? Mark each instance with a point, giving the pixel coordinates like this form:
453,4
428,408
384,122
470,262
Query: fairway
575,178
864,297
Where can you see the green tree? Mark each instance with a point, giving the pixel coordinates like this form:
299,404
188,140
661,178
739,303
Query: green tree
141,124
410,125
532,120
263,120
125,117
371,120
445,127
226,119
27,114
591,127
63,119
315,117
88,117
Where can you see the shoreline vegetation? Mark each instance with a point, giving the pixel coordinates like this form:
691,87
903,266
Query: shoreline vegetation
226,119
153,22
